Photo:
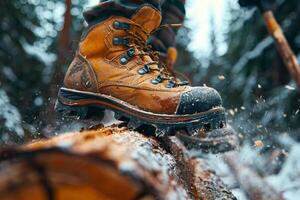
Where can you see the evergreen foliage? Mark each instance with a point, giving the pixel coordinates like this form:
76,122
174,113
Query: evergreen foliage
257,89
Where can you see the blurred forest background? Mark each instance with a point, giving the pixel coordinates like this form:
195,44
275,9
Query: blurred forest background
38,39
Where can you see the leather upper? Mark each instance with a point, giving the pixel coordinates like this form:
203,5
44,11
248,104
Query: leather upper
102,70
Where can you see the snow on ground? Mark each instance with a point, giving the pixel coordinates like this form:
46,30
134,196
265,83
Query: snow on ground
10,115
287,181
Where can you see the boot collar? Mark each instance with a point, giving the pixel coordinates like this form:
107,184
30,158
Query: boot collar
146,15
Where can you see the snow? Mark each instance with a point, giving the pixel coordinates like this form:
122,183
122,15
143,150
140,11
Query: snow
109,119
65,144
9,74
10,115
217,163
45,57
288,180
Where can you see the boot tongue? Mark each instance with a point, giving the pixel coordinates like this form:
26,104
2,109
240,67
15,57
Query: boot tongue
148,17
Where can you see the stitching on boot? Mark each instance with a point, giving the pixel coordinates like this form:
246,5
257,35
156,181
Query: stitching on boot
77,67
86,77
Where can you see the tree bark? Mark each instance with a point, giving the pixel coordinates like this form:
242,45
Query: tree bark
287,54
107,163
203,182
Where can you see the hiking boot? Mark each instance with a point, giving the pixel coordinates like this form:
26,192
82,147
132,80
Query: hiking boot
114,68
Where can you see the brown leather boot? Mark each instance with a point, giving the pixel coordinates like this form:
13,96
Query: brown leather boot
115,69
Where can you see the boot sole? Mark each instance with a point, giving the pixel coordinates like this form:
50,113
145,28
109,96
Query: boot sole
216,141
80,103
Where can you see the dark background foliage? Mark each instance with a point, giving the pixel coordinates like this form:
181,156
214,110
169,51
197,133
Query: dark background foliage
261,98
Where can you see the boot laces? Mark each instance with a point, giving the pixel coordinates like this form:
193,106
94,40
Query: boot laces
146,49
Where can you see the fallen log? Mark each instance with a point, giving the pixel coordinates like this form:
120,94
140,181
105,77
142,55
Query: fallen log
202,181
255,187
106,163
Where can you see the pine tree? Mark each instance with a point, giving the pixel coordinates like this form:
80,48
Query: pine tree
28,52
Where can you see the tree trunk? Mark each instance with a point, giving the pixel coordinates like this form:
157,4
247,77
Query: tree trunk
58,73
287,54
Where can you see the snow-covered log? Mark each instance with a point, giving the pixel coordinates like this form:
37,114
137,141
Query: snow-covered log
105,163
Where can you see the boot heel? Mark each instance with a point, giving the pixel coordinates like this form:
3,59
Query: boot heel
71,111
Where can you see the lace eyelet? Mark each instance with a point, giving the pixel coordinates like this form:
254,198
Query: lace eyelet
121,25
130,52
116,24
147,68
116,41
171,84
123,61
120,41
157,80
154,82
144,70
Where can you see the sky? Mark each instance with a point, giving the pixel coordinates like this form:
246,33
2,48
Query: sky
201,14
204,17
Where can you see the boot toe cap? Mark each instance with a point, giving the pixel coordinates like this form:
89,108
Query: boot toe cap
199,99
